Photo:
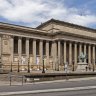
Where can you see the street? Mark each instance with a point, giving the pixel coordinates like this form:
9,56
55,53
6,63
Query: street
69,93
42,86
66,85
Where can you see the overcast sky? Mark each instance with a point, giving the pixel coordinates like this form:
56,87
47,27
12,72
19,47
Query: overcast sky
32,12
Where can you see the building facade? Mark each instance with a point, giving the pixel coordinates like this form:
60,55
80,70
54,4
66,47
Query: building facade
53,43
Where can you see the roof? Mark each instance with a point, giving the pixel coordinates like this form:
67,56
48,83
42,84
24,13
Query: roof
19,27
64,23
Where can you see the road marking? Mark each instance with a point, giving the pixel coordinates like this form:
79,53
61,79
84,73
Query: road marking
48,90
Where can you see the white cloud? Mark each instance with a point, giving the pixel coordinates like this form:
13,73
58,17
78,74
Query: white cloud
30,11
82,20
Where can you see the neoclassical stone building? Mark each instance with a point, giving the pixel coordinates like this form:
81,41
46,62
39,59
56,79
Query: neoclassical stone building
56,42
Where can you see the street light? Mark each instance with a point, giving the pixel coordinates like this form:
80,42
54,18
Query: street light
73,65
28,67
93,65
18,66
11,67
43,71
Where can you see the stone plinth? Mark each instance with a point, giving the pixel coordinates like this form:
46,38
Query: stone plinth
82,66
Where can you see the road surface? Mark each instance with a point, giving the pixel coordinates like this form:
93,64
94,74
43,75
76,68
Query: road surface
56,85
69,93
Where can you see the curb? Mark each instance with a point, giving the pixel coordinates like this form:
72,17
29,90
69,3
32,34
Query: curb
48,90
57,81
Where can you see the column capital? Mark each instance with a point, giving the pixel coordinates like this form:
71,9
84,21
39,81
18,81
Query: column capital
41,40
47,41
80,43
93,45
34,39
85,43
12,36
19,37
65,41
75,42
27,38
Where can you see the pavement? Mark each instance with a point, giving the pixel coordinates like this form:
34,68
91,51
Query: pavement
7,83
47,86
65,85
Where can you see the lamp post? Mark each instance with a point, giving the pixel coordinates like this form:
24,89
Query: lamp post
18,66
28,67
43,71
73,65
11,67
93,65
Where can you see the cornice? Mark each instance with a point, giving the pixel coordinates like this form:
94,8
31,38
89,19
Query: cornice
32,31
20,28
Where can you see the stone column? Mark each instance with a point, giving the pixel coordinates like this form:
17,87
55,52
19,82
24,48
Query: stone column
80,50
54,55
85,51
12,48
27,50
47,52
75,53
41,52
34,51
0,46
19,49
0,49
70,53
93,60
58,60
89,54
64,51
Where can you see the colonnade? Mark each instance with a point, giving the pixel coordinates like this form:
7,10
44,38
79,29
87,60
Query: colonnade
62,51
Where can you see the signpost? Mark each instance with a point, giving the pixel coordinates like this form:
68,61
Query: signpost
43,71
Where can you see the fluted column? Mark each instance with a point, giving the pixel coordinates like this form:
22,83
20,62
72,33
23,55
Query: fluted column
80,50
54,55
41,52
75,53
89,54
27,50
64,51
12,48
34,51
85,51
70,53
93,49
0,46
59,52
20,49
47,52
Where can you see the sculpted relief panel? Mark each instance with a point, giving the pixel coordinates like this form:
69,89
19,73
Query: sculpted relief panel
6,49
6,44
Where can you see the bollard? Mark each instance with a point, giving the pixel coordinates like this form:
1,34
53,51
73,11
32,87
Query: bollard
43,71
18,66
11,67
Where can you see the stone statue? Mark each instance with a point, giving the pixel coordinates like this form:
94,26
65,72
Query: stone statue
82,57
23,60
